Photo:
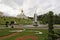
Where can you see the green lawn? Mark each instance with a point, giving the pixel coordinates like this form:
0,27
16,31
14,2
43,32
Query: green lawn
27,32
6,31
30,32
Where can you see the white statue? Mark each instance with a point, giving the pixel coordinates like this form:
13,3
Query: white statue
35,20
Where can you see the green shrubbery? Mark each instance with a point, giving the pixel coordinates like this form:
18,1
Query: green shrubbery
17,20
44,18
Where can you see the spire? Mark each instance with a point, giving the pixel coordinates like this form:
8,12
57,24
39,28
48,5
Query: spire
22,12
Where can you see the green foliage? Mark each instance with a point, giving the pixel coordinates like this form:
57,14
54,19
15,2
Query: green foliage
17,20
51,33
44,18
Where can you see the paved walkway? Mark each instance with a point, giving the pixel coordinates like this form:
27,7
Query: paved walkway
33,27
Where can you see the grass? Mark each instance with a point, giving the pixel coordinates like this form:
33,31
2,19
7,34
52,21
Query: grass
4,32
2,25
24,33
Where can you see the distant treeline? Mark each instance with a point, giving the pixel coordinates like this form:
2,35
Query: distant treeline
44,18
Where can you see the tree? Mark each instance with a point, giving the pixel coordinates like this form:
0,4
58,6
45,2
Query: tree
50,25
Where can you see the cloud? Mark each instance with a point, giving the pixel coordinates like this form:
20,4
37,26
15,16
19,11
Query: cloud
13,7
8,10
0,0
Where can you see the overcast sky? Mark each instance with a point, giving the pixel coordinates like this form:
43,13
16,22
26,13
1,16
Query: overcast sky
13,7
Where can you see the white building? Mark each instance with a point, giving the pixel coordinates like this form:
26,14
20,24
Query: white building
22,15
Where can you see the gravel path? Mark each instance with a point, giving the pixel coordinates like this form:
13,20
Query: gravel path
28,37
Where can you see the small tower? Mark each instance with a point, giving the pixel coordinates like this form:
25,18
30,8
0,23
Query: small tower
22,12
